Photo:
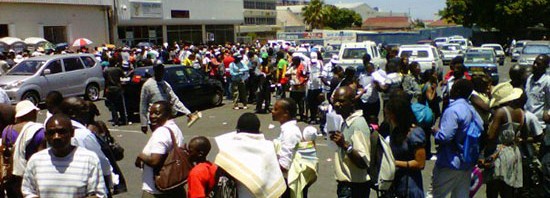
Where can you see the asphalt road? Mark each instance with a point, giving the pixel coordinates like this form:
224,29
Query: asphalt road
223,119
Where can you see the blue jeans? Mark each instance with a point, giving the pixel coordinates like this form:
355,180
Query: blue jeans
353,190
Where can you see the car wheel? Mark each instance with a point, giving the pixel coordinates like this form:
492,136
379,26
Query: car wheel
92,92
31,96
217,99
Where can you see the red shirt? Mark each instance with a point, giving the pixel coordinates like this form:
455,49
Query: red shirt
226,61
450,73
201,180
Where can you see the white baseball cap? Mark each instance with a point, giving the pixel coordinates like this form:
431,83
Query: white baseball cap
24,107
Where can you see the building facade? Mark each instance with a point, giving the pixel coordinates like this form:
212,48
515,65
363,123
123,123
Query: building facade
56,20
260,20
191,21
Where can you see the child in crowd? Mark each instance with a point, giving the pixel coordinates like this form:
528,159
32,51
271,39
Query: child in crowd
201,179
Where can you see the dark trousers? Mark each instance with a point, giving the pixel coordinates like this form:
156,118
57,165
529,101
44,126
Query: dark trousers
12,188
353,190
313,103
298,97
498,187
264,97
117,106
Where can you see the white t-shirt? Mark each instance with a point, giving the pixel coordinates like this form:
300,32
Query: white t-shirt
159,143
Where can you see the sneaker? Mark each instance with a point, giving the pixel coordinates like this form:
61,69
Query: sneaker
236,108
245,107
433,158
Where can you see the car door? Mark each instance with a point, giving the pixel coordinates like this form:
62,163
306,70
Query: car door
198,87
53,78
75,76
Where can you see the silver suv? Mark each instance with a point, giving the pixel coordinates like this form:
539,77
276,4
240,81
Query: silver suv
71,74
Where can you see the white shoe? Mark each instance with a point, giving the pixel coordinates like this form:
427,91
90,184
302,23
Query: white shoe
433,158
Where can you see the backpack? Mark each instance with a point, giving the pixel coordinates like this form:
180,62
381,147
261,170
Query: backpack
382,164
225,187
470,153
423,113
6,161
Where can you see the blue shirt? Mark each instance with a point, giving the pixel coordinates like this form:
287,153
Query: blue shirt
451,136
238,71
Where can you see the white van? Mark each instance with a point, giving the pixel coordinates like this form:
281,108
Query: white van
426,55
351,54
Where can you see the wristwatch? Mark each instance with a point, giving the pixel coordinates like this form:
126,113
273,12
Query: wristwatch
349,149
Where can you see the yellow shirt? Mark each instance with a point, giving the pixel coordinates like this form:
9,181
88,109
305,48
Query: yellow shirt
356,131
187,62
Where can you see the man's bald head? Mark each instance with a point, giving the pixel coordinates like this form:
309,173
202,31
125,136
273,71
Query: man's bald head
59,119
74,107
59,132
345,91
343,102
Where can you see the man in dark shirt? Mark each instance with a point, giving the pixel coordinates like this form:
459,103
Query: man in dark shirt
114,94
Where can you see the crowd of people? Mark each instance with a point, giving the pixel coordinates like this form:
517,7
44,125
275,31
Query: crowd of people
499,130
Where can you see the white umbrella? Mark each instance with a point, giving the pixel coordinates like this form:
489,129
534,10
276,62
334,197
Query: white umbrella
81,42
34,40
10,40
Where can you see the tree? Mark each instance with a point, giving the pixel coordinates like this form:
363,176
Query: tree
418,23
342,18
508,16
314,14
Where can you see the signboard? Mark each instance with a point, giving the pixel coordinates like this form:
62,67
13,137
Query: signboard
146,10
337,37
152,34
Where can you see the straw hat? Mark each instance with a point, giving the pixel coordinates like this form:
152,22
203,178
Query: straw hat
503,93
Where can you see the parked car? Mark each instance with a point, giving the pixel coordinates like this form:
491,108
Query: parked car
498,50
531,50
71,74
464,43
482,62
450,51
351,54
193,88
426,55
517,49
440,41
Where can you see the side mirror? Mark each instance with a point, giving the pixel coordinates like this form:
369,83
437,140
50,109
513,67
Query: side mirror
46,72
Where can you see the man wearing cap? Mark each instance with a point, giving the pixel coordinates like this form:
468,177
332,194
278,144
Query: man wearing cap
326,74
238,72
537,88
314,86
25,138
154,90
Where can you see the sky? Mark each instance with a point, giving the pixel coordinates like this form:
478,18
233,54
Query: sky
421,9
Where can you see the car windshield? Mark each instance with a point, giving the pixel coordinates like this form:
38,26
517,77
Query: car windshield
450,47
478,58
536,49
440,40
354,53
26,68
496,48
520,44
418,54
461,42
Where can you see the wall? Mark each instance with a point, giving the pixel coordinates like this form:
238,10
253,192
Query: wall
27,20
200,12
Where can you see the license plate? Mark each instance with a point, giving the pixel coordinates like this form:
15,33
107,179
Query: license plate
476,69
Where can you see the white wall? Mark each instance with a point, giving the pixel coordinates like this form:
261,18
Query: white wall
200,11
27,20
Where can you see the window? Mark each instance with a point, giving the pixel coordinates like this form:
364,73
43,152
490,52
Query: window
4,30
193,75
55,34
354,53
180,14
55,67
88,61
26,68
176,75
72,64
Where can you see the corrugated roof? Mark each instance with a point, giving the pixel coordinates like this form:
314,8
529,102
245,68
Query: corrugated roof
349,5
440,23
392,22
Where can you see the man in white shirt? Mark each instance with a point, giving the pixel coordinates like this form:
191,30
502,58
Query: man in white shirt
284,112
157,147
63,170
314,87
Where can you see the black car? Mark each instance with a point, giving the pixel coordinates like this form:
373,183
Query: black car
193,88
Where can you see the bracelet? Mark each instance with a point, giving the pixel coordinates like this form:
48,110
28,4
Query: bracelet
349,149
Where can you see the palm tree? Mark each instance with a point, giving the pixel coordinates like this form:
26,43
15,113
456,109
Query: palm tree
314,14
